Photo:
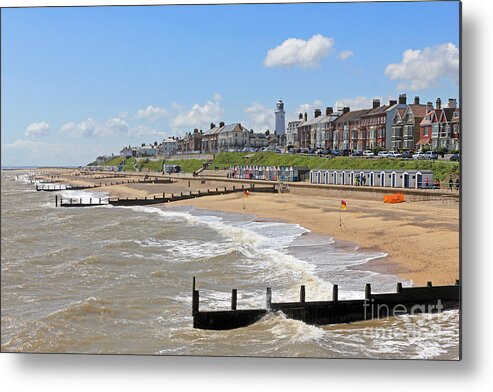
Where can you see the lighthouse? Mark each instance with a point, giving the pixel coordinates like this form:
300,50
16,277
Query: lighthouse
280,118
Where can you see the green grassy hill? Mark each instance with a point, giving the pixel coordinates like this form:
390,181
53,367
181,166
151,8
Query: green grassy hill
441,169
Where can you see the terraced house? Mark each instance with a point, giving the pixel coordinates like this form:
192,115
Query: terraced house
372,132
442,126
346,126
406,125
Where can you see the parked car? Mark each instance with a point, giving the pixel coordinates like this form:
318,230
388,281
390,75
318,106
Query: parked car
394,154
455,157
368,153
357,153
336,153
407,155
345,153
431,155
383,154
419,155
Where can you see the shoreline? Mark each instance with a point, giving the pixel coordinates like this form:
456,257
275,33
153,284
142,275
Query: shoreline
421,239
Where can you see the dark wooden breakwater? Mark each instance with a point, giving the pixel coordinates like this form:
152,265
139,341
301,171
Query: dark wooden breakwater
56,188
406,300
166,197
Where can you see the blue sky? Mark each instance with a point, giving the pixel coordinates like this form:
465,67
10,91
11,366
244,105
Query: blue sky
80,82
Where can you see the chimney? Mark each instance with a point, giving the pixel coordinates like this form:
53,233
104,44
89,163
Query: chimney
305,116
318,112
213,125
329,111
300,116
439,104
402,99
221,124
196,130
345,110
376,103
416,100
392,102
430,104
452,103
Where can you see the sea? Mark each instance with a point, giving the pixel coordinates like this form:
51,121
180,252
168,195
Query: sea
118,280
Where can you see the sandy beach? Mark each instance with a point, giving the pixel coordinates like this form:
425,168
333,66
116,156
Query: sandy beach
421,238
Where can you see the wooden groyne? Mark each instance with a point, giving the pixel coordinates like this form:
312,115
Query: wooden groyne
56,188
165,198
406,300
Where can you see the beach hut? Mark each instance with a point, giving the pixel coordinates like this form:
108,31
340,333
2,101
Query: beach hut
408,179
371,178
381,178
424,179
333,176
352,177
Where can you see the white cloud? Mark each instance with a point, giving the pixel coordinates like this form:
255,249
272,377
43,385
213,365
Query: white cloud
421,69
90,128
142,131
198,115
151,113
345,55
37,129
298,52
309,108
85,128
260,117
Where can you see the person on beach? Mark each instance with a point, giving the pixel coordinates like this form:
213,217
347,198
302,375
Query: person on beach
437,184
426,183
363,180
457,184
450,183
356,180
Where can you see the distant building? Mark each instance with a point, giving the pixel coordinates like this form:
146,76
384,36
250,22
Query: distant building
345,127
168,147
406,125
292,132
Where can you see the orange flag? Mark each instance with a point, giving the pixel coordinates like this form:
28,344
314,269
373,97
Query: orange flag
343,205
246,193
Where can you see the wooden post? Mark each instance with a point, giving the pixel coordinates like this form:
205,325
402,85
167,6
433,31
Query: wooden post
429,284
224,189
195,302
234,187
56,200
368,291
457,282
181,194
302,293
70,200
189,183
164,195
399,288
216,189
268,300
199,192
234,297
335,293
99,200
90,201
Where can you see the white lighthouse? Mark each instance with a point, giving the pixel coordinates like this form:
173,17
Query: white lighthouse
280,118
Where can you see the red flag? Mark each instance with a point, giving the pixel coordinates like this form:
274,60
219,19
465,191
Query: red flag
343,205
